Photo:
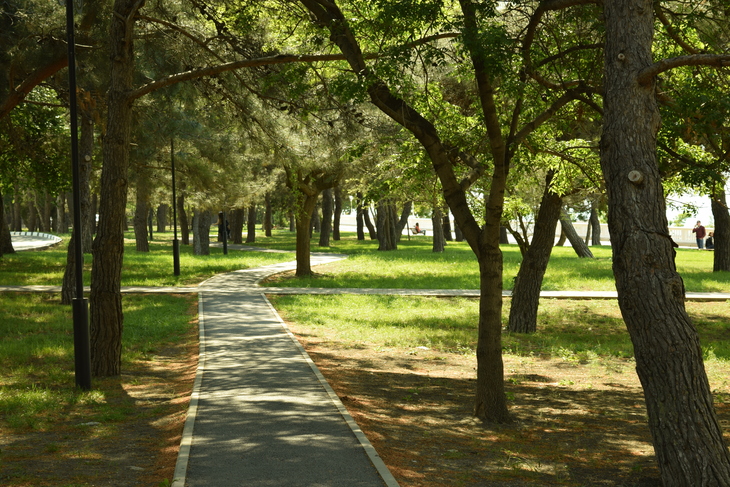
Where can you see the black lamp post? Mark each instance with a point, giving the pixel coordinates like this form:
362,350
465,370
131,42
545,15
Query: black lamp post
175,243
82,349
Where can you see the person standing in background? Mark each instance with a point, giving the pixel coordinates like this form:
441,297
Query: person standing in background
699,232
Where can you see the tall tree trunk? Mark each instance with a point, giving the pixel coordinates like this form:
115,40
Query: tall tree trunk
337,214
17,205
202,220
359,218
162,211
183,217
237,218
251,224
32,214
6,241
88,209
327,210
526,292
437,221
721,258
306,206
589,228
688,440
292,225
108,247
385,226
268,216
61,221
46,219
447,226
581,249
141,211
563,237
68,287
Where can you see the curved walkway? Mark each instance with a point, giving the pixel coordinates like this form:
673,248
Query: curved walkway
261,413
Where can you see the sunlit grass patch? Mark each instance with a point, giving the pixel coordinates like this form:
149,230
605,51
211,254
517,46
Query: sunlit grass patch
37,385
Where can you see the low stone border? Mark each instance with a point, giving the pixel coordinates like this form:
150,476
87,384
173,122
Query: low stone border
46,236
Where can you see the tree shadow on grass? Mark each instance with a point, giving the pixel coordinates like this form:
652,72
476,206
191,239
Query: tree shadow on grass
418,417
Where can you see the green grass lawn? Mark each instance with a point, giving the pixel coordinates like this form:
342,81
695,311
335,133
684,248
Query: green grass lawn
37,351
155,268
415,266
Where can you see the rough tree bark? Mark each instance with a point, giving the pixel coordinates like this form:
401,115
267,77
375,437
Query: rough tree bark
721,259
108,248
688,440
580,247
202,220
526,291
236,218
385,220
162,217
595,224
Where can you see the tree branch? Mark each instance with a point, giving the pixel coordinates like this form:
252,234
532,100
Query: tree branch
647,74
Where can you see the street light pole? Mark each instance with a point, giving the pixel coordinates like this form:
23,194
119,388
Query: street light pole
82,348
175,243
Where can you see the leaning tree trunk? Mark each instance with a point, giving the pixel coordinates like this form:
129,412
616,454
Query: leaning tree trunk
337,214
403,221
437,221
721,258
526,291
108,247
688,440
327,210
578,244
369,224
503,235
251,224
